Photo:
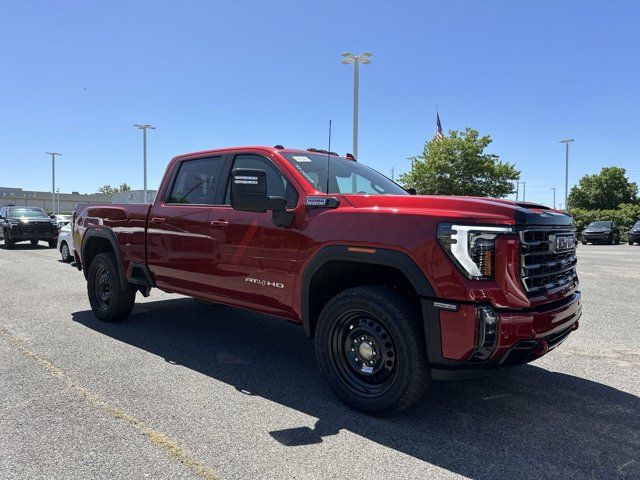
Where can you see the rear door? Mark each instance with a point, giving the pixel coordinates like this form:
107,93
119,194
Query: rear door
256,260
178,231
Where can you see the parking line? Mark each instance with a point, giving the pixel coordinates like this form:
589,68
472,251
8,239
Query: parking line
157,438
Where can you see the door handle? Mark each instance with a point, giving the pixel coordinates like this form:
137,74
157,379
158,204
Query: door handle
158,219
219,223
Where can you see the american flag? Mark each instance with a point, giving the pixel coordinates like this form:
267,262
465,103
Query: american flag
439,134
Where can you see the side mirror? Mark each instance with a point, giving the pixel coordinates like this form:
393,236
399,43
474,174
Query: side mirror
411,191
249,194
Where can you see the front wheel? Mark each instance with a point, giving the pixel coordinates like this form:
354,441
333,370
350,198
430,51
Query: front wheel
34,242
8,242
584,242
109,301
371,350
64,252
53,243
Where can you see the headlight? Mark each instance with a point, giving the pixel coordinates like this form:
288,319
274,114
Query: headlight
471,247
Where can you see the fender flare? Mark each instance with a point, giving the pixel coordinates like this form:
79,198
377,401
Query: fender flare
380,256
111,238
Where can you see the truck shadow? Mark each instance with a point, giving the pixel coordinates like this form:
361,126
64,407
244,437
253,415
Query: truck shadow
525,422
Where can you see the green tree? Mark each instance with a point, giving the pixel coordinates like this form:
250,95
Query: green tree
603,191
109,190
458,165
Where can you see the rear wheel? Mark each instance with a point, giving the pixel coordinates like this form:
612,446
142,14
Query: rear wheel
109,301
370,348
64,252
53,243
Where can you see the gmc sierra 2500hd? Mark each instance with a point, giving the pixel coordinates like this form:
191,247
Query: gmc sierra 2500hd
397,289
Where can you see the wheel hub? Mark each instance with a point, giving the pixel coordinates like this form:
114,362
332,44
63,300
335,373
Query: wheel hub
366,351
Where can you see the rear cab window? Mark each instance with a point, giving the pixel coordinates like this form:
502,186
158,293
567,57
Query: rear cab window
196,182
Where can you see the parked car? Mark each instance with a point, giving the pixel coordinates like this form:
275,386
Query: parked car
634,234
63,220
601,232
27,224
65,243
397,289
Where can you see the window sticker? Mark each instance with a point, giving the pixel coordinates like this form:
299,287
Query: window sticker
301,158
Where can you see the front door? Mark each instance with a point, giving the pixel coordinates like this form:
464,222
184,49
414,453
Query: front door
257,260
178,233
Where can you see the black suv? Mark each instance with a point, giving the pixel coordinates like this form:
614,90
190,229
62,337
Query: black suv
601,232
634,234
21,224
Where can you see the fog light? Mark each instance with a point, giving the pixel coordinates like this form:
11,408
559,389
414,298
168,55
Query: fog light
487,333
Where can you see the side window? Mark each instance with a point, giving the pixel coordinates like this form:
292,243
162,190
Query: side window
277,184
197,181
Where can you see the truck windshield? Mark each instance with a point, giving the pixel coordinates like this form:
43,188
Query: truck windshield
26,212
345,176
599,225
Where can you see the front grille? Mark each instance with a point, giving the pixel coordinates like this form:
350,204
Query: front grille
542,269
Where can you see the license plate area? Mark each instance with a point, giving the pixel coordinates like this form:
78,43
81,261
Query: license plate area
563,243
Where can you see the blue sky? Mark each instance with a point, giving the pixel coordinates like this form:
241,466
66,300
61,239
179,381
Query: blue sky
77,75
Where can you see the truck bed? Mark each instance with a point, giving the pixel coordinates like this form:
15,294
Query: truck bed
127,222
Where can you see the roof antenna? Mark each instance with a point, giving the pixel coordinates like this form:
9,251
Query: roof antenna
328,156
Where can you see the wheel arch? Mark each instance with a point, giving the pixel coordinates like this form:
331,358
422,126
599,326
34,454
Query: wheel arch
393,266
98,241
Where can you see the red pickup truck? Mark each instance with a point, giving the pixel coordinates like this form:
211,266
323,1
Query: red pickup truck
397,289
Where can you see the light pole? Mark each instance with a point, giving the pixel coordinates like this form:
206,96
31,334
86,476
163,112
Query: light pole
524,190
53,179
144,155
566,169
363,58
554,197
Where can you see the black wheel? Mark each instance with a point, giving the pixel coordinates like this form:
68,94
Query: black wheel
370,348
8,242
34,242
584,242
630,242
109,301
53,243
64,252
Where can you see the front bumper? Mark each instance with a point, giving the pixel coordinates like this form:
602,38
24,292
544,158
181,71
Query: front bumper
597,237
30,232
461,344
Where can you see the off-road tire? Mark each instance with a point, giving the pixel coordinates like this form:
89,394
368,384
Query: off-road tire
109,301
396,322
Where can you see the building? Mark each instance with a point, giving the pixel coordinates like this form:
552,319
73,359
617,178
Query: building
66,201
133,196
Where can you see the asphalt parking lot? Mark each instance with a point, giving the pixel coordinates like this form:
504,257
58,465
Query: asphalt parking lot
183,390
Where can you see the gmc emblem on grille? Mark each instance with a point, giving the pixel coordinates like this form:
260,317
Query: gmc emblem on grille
563,243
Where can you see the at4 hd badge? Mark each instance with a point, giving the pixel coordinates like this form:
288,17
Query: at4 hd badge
264,283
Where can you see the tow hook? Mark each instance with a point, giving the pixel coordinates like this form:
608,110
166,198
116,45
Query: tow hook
541,347
575,326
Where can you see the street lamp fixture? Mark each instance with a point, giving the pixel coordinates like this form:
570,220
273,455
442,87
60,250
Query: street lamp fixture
363,59
144,155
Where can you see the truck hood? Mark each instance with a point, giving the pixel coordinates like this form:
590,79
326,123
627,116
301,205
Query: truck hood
471,209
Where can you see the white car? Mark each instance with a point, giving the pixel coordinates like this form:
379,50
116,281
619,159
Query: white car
63,220
65,243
